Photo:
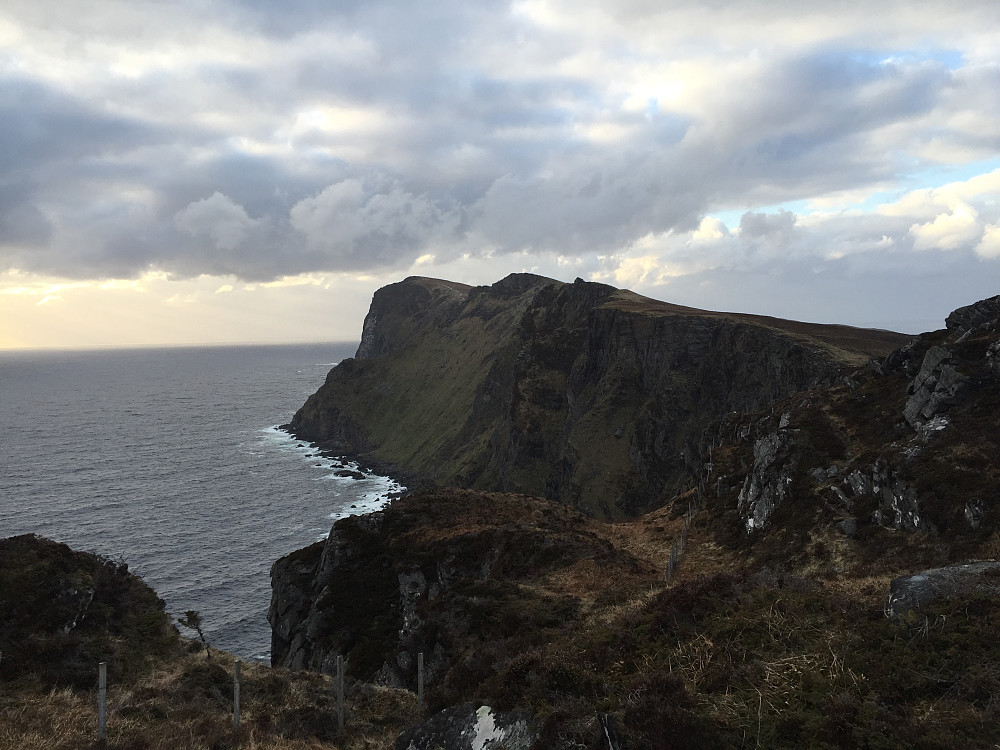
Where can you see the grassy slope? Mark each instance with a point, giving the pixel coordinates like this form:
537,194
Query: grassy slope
163,691
186,702
852,346
736,653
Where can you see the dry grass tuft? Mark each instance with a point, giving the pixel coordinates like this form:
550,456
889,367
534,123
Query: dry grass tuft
188,704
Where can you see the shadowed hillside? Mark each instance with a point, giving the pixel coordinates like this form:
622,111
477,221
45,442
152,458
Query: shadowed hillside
62,612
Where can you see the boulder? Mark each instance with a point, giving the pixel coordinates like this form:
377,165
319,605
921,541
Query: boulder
979,313
466,727
952,582
937,386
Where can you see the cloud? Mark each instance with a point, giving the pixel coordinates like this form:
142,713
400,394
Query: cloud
960,227
370,225
218,218
989,245
258,142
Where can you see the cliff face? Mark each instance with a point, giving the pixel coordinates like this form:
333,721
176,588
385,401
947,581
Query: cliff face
428,575
580,393
907,445
764,582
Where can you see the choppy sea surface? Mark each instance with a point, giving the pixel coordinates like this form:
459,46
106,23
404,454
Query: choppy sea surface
171,460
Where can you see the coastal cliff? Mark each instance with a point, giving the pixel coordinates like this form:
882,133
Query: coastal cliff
827,570
580,393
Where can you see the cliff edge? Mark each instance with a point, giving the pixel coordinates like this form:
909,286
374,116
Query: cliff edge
580,393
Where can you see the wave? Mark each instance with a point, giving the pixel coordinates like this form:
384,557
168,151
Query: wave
368,491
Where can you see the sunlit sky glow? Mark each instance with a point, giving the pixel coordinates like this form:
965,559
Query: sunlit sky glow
216,172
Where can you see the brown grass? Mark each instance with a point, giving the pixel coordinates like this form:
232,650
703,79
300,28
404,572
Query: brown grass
854,345
188,704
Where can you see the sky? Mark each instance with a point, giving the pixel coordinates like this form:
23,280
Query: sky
207,171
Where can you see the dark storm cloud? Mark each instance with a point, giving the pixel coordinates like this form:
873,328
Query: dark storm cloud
21,223
41,126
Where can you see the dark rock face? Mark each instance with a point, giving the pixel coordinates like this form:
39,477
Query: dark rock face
292,581
767,485
906,444
937,386
984,312
62,610
897,502
466,727
580,393
430,574
952,582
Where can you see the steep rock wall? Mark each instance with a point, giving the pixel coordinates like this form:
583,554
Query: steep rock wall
580,393
905,444
432,574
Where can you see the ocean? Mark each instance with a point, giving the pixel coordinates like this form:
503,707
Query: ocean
171,460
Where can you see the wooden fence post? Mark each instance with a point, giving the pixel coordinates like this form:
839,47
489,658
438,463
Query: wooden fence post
102,701
236,694
672,564
340,692
420,682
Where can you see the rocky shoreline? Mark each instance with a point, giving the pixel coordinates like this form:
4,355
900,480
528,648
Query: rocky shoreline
366,465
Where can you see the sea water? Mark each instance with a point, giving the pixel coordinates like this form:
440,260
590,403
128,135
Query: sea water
172,460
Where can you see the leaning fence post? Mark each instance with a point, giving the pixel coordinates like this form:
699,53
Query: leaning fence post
420,682
672,564
236,694
102,701
340,692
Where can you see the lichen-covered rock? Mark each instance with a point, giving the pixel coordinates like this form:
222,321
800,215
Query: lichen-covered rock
466,727
937,386
954,581
767,485
971,316
898,508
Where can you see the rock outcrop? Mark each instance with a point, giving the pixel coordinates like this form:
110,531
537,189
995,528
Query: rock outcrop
937,386
768,483
919,590
580,393
427,575
983,313
904,443
466,727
